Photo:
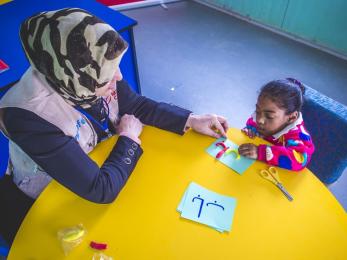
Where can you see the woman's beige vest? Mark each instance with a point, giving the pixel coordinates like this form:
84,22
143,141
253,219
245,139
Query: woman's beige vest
33,93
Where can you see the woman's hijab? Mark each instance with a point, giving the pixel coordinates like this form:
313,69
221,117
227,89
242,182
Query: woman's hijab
76,52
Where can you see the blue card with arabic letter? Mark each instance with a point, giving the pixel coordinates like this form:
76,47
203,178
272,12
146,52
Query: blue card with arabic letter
207,207
230,157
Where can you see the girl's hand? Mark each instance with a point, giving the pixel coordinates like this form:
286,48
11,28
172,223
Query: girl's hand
131,127
249,150
212,125
248,132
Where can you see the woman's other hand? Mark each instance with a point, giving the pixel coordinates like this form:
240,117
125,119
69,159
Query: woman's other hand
131,127
249,132
212,125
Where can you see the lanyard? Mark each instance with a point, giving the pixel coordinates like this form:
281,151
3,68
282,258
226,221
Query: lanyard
103,125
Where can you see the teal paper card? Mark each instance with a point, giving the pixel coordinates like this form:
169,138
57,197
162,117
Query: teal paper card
207,207
231,159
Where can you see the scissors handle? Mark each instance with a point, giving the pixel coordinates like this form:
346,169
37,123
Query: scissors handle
284,191
274,174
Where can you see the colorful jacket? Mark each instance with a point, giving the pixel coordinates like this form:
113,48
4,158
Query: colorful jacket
292,147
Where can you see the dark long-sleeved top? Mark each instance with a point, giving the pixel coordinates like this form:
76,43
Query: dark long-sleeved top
62,158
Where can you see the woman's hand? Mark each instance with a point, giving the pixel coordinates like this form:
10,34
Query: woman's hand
131,127
249,132
249,150
212,125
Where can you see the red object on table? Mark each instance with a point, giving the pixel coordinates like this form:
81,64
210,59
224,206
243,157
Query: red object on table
224,148
98,246
117,2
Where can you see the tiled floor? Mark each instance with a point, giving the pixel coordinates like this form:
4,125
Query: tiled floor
208,61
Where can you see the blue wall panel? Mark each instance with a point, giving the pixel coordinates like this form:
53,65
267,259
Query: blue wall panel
320,22
270,12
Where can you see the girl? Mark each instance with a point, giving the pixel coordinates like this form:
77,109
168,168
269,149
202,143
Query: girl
278,120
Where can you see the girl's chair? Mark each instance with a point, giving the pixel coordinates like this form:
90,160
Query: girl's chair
3,248
3,142
3,154
326,120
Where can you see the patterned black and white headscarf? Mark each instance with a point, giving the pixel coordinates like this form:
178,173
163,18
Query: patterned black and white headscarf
76,51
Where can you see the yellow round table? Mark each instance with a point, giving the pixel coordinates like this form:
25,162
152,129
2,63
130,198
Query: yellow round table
142,223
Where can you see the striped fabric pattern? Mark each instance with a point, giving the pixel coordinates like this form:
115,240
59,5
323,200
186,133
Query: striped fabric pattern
76,51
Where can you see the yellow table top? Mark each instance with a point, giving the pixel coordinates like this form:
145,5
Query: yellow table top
143,222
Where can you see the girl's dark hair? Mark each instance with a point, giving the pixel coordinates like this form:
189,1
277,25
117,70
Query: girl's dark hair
287,94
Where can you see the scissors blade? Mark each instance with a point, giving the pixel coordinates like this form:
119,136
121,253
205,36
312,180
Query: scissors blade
284,191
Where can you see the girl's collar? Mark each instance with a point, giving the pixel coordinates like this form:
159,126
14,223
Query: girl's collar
289,127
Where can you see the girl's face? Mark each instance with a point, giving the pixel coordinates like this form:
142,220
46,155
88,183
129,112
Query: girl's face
110,86
270,118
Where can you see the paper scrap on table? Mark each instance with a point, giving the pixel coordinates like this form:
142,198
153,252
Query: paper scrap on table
207,207
239,165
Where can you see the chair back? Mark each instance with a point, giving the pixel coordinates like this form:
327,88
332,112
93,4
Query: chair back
3,247
326,120
3,140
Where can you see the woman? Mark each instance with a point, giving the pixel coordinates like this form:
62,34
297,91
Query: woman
71,98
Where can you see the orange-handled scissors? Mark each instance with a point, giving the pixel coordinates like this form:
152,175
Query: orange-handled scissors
272,175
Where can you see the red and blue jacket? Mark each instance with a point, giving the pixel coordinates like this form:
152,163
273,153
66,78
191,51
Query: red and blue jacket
291,148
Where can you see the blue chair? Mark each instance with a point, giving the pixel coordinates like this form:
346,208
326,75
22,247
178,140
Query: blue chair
3,165
3,140
3,247
3,154
326,120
